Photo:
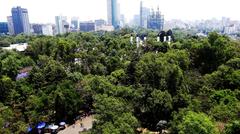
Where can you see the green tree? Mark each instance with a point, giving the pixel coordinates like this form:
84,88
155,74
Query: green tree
7,85
113,116
197,123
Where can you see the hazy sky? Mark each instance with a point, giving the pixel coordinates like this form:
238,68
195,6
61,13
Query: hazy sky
43,11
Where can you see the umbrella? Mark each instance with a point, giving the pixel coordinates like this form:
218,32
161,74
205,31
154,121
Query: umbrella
53,127
62,123
41,125
29,129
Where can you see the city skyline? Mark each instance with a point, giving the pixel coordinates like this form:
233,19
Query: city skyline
42,11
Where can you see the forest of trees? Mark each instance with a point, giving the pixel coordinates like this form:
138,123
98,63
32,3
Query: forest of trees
192,84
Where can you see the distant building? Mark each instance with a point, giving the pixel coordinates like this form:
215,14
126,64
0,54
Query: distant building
20,20
3,28
100,23
10,25
47,30
136,20
122,20
155,20
113,13
144,13
107,28
230,29
74,24
87,26
37,29
61,24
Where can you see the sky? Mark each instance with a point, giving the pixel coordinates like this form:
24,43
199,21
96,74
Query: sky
44,11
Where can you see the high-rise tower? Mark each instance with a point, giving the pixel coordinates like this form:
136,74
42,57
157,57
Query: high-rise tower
61,22
113,13
144,12
10,25
20,20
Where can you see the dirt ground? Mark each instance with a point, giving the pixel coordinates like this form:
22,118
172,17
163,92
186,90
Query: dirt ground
79,126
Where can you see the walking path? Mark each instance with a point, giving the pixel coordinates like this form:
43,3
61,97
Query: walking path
79,126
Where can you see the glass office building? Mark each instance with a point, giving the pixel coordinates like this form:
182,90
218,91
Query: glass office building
3,27
20,20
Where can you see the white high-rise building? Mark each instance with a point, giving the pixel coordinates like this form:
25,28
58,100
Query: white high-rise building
61,21
26,24
144,13
10,25
74,24
47,29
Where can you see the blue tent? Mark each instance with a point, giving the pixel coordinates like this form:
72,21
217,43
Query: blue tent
41,125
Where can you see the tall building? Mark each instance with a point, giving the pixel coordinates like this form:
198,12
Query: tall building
20,20
136,20
155,20
141,11
47,30
74,23
122,20
10,25
113,13
144,13
3,28
61,24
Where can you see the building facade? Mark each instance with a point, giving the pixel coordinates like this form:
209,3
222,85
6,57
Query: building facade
20,20
37,29
155,20
74,24
144,13
107,28
61,24
87,26
47,29
10,25
100,23
3,28
113,13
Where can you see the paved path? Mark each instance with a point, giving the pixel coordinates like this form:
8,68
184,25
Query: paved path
76,128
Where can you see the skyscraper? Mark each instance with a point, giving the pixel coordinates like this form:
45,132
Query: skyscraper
10,25
20,20
74,23
47,29
61,22
141,15
113,11
144,13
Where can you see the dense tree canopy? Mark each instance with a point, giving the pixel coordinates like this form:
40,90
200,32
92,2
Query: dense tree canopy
192,84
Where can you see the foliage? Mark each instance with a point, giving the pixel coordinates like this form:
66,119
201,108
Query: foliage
127,88
196,123
233,128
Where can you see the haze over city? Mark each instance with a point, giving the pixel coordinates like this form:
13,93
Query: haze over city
44,11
